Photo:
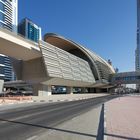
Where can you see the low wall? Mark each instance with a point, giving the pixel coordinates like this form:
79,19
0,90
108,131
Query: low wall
66,97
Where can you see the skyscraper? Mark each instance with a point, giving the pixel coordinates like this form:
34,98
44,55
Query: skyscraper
9,14
30,30
6,70
137,52
8,20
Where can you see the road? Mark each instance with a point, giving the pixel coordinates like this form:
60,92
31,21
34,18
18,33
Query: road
23,123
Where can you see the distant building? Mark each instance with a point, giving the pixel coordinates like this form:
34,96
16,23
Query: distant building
9,14
8,20
109,62
116,70
29,30
6,70
137,52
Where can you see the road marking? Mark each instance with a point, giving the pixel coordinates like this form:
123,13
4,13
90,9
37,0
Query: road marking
32,138
2,122
105,137
105,124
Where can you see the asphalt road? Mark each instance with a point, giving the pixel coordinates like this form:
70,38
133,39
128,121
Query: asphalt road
23,123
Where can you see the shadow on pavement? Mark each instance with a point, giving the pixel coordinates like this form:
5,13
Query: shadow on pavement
100,133
51,128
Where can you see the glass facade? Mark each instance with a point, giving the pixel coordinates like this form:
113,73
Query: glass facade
2,17
7,20
6,14
28,29
1,6
128,78
137,52
33,33
6,70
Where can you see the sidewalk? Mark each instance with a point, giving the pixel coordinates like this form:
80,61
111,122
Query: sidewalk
67,97
122,118
48,99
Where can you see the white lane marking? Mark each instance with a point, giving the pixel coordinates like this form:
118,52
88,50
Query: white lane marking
105,137
2,122
104,124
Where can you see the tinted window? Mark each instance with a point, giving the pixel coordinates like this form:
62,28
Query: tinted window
1,6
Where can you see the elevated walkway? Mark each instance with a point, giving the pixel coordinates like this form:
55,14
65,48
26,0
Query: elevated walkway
18,47
126,78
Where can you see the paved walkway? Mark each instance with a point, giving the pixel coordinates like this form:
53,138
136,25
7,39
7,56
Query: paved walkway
123,118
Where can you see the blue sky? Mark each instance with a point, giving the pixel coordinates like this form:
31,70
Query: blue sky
107,27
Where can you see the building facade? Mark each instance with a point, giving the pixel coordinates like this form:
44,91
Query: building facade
9,14
6,70
29,30
8,20
137,52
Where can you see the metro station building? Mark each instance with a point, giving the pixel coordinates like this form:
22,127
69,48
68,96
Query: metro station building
55,61
49,62
66,63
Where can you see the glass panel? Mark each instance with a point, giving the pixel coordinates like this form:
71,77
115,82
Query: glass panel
1,6
1,16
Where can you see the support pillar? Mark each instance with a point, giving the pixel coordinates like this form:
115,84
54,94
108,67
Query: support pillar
42,90
92,90
108,90
69,90
83,90
98,90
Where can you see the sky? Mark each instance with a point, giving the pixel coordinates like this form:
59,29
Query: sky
107,27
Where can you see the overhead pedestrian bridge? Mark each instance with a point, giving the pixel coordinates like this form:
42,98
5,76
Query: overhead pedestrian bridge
126,78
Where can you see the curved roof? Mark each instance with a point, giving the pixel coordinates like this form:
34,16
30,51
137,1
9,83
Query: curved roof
100,68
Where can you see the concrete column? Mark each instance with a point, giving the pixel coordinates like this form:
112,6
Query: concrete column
83,90
42,90
107,90
1,85
69,90
98,90
91,90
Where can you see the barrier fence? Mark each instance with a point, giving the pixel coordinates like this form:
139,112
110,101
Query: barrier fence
15,99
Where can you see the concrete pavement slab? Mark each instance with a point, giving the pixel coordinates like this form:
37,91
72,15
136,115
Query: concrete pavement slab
123,118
